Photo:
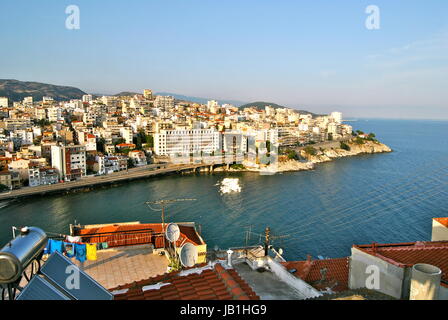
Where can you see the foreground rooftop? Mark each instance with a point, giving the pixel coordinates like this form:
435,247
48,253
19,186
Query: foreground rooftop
206,282
121,265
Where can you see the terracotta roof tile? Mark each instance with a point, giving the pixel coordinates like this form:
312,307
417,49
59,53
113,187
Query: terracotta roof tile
207,285
442,221
408,254
336,275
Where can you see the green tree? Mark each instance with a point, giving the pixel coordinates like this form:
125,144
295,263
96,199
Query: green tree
344,146
292,155
310,150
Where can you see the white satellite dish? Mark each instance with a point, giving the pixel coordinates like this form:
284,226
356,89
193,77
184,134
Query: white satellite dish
172,232
188,255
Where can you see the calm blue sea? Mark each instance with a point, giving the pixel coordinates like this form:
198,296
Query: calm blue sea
383,198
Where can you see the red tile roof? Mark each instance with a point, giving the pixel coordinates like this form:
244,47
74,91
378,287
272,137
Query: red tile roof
407,254
336,276
214,283
442,221
133,234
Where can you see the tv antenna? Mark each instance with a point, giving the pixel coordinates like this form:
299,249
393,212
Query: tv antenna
162,204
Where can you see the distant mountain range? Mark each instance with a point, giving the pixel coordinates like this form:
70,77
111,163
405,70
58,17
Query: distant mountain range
16,90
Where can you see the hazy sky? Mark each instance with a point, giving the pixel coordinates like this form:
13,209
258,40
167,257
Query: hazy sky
311,54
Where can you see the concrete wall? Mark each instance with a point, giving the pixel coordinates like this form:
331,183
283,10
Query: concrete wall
443,293
297,284
391,277
439,231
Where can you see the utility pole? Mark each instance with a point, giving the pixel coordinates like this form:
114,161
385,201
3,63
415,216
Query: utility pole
162,204
248,232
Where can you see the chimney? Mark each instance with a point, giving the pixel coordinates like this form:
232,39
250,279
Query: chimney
229,257
425,282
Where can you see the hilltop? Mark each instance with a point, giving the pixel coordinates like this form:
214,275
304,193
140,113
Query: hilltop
262,104
16,90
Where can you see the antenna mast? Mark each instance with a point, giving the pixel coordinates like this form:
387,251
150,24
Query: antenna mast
162,204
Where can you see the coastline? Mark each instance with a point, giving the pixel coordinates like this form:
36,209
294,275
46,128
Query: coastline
310,160
286,165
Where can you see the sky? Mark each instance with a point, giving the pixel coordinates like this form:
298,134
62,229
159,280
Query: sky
316,55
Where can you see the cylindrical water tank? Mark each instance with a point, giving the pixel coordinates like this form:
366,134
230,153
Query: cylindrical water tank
425,282
20,252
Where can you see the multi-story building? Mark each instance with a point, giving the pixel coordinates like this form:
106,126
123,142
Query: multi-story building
337,117
164,102
87,98
3,102
10,179
147,94
138,157
54,114
109,164
28,101
70,161
38,176
186,142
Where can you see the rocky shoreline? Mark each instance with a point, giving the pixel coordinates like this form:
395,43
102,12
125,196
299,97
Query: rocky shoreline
310,160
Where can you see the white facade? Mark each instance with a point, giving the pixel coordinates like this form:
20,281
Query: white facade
3,102
337,117
28,100
70,161
87,98
186,142
164,102
54,114
42,176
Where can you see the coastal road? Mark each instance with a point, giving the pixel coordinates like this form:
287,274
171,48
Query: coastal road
131,174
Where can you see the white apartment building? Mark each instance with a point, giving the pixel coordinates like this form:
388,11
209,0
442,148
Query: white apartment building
337,117
88,140
87,98
212,105
25,136
38,176
186,142
40,113
70,161
164,102
3,102
127,134
28,100
54,114
110,164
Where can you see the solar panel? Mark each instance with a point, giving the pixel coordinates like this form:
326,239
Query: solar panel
39,289
70,279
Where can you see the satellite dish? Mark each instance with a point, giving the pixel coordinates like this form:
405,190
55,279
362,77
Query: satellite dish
188,255
172,232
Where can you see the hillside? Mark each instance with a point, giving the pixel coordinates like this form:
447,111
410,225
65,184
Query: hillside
180,97
126,94
16,90
262,104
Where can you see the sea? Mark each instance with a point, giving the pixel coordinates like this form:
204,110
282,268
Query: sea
382,198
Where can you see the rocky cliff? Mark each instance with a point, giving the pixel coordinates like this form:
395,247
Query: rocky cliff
324,155
318,156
